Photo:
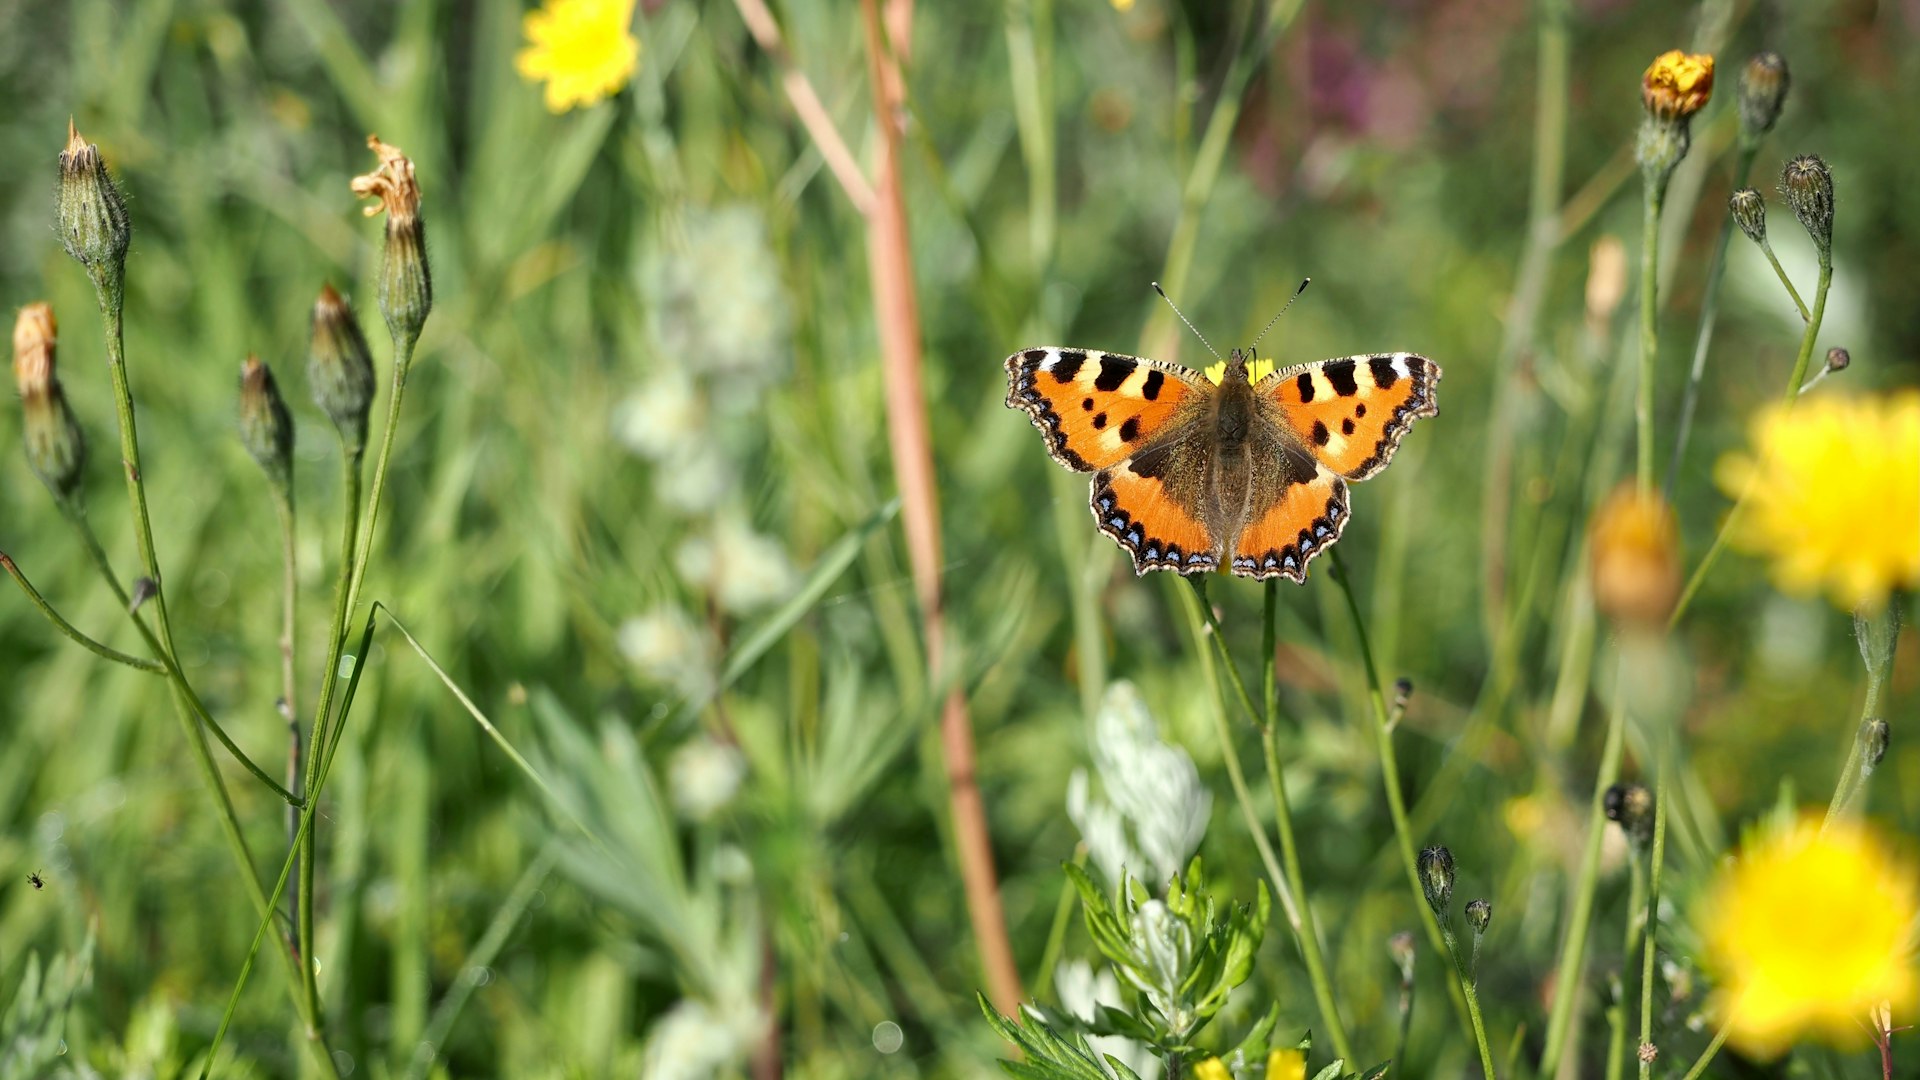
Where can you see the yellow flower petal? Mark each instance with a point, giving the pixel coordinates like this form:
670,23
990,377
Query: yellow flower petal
1212,1069
584,50
1288,1064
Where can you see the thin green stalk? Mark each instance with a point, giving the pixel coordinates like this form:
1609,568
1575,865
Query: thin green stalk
1656,193
1199,619
1617,1016
1390,776
289,704
151,667
1306,933
110,309
402,360
1766,246
1660,789
1042,980
1706,1056
1473,1011
1709,314
1794,381
1573,948
319,747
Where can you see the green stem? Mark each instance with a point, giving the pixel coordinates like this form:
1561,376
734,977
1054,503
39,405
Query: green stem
151,667
1779,271
289,704
402,360
1706,1056
1573,948
1390,776
1660,791
1617,1016
318,742
1794,381
1042,979
1656,193
110,309
1709,314
1305,933
1472,994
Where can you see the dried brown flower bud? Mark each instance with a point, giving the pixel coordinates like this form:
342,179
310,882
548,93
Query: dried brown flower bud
92,215
406,285
1636,558
340,368
1807,185
1838,359
1677,84
56,447
1763,90
266,427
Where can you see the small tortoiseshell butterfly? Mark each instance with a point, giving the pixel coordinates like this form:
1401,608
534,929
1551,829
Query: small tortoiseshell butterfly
1239,467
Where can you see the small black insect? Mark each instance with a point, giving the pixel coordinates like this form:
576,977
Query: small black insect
38,881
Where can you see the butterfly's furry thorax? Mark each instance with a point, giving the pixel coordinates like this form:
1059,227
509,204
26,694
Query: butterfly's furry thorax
1198,472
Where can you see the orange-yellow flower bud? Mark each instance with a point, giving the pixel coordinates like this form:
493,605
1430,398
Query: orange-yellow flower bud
1677,84
1636,558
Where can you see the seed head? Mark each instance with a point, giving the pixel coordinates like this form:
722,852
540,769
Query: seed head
406,286
92,215
1807,185
1749,211
1436,879
56,447
340,369
1763,90
1631,807
1875,735
266,428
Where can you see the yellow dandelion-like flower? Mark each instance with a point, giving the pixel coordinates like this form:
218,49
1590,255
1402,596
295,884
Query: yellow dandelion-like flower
1288,1064
1677,84
1833,496
1807,932
1212,1069
584,50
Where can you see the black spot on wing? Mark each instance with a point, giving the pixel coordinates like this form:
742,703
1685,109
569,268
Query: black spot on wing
1305,383
1340,374
1383,374
1114,371
1087,405
1067,368
1150,386
1130,429
1359,410
1320,434
1346,426
1099,421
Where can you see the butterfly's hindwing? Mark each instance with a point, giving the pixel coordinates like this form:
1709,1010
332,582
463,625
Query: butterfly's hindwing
1351,412
1095,408
1150,522
1302,522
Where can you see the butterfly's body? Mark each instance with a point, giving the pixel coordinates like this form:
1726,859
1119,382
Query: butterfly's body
1191,475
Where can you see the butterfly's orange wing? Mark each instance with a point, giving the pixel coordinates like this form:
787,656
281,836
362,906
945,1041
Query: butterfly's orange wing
1350,413
1302,522
1146,504
1097,408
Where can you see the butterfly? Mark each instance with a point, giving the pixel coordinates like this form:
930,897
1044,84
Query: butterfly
1240,467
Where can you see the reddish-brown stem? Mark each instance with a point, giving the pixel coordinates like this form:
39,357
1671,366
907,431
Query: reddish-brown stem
808,106
896,309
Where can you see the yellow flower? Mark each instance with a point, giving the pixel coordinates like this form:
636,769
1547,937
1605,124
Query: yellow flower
1807,932
1636,557
1288,1064
583,49
1676,85
1212,1069
1833,496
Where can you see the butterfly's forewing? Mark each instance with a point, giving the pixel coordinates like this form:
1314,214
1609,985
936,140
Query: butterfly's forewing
1097,408
1351,412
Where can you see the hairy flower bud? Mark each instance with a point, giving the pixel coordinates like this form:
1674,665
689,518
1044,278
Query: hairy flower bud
1807,185
92,215
1677,84
1875,735
56,447
1631,807
1763,90
1436,879
340,369
266,428
1479,914
406,286
1749,211
1838,359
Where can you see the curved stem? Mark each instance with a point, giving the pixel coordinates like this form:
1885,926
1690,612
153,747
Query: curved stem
151,667
1706,1056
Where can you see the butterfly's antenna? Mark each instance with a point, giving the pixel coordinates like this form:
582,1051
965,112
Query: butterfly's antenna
1282,311
1184,319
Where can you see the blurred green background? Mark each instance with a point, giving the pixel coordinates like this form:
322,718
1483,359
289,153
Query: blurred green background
648,403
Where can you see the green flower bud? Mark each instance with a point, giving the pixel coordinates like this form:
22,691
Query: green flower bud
1876,735
1631,807
406,286
1763,90
92,215
266,428
1479,914
1807,184
340,369
1750,213
56,447
1436,879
